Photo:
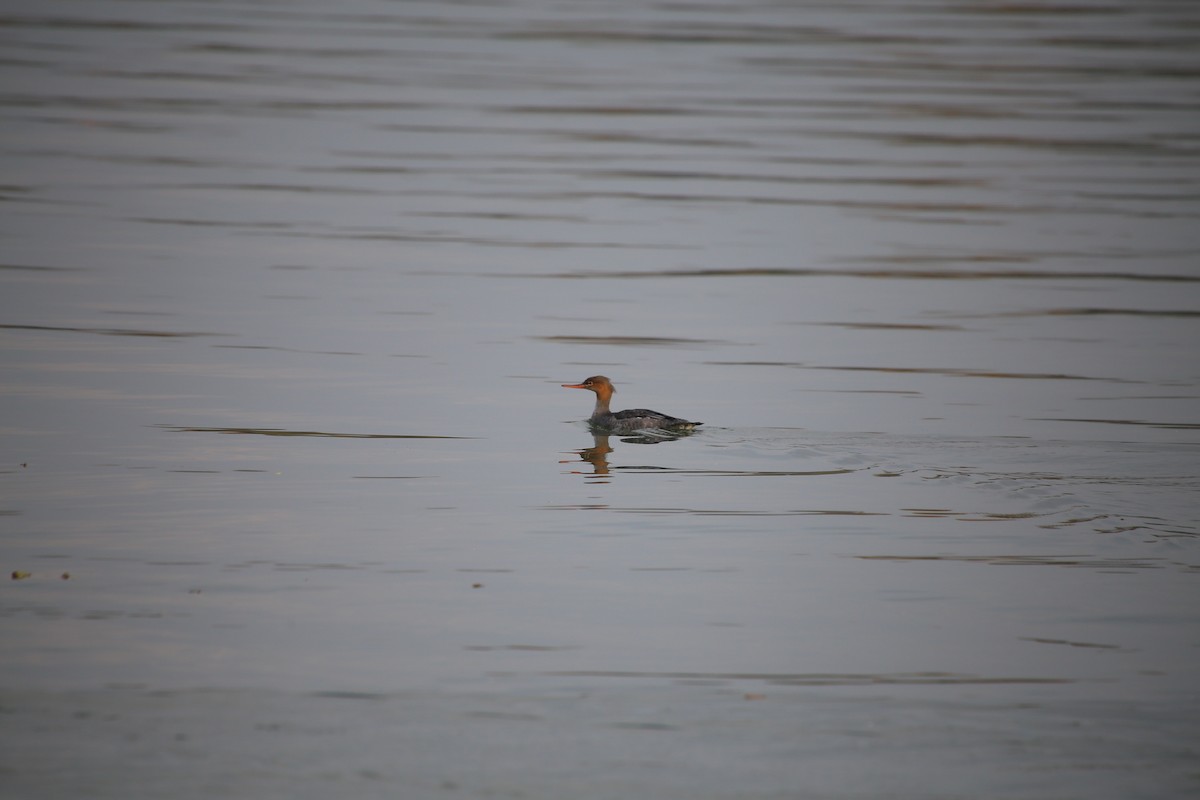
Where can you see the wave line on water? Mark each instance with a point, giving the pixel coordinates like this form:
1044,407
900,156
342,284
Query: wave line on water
645,341
819,678
1148,423
738,473
106,331
886,274
318,434
1030,560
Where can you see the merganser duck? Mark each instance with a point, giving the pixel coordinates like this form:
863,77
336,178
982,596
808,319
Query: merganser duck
630,420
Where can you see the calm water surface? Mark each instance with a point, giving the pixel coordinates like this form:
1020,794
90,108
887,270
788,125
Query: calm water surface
293,501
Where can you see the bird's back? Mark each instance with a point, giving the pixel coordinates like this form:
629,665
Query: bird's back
632,419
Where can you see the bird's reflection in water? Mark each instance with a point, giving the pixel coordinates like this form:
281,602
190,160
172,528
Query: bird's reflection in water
597,454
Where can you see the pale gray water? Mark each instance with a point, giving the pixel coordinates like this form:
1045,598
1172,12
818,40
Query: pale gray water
287,294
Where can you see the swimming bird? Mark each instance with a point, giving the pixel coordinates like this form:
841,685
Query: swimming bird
630,420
